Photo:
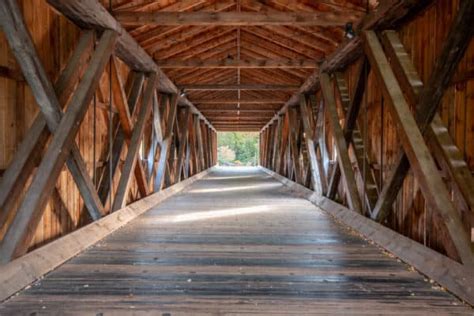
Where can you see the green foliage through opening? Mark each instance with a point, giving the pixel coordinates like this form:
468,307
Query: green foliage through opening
237,148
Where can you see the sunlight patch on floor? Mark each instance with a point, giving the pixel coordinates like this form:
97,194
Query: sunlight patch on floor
235,188
209,215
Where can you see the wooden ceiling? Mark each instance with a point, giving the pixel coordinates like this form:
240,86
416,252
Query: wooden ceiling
239,61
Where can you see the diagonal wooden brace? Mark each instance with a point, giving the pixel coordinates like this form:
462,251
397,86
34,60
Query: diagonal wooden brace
44,93
417,153
23,227
341,145
134,145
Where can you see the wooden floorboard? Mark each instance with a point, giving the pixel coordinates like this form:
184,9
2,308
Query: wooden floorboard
235,242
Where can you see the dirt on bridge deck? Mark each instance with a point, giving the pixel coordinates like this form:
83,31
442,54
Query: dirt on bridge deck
235,242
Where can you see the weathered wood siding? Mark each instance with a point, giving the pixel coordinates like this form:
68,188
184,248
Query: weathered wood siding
55,39
423,38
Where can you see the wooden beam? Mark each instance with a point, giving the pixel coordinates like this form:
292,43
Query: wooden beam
238,118
200,150
224,87
294,126
389,13
234,122
239,129
455,277
224,112
309,131
183,120
21,272
165,145
28,154
230,18
353,136
120,101
238,101
243,63
237,126
24,50
23,227
205,143
350,122
454,47
208,152
155,134
418,154
277,143
92,14
241,107
284,144
110,169
135,143
341,145
319,137
436,133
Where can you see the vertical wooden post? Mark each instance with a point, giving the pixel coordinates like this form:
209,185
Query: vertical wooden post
309,131
165,148
185,115
420,159
27,156
341,145
293,137
23,227
24,50
200,149
276,143
135,143
119,140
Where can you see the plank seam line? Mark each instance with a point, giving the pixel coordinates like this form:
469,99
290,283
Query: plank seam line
25,270
455,277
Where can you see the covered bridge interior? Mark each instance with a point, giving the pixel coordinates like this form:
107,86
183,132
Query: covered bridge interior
111,200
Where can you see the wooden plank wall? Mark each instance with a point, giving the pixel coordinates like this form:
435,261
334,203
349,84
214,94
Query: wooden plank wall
55,38
423,37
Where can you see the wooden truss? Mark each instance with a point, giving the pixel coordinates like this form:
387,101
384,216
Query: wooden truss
425,143
146,119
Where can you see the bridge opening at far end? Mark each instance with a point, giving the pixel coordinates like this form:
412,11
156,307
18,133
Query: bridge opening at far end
238,148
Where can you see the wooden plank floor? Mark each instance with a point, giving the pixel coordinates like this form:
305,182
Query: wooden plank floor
233,243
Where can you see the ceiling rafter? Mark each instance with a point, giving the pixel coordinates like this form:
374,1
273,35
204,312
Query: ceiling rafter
271,75
228,63
317,31
214,37
174,38
243,107
155,33
301,73
179,6
230,18
352,11
219,54
264,44
276,87
296,34
288,42
229,55
206,77
211,46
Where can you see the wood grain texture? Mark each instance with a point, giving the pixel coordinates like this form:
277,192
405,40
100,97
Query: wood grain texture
227,245
421,161
25,270
230,18
449,273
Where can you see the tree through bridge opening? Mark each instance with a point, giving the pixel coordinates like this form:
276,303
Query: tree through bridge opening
238,148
